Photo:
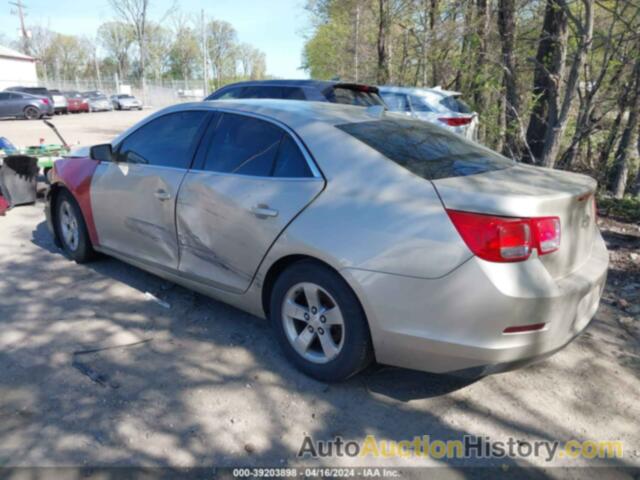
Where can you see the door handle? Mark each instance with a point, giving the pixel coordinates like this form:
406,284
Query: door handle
162,195
263,211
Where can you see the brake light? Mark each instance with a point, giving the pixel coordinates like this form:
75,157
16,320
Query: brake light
45,101
547,233
506,239
455,121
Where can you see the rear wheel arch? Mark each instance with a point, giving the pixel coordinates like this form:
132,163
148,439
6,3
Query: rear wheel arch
355,350
279,266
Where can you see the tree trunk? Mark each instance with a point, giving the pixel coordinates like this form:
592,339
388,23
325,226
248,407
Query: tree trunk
511,101
628,143
559,114
549,69
382,76
479,88
433,15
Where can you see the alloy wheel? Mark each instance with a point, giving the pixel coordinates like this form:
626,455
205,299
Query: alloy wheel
313,322
69,226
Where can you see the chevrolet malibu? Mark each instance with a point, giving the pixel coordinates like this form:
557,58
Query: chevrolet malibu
362,235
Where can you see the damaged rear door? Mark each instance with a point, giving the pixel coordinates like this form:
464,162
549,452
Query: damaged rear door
251,177
134,197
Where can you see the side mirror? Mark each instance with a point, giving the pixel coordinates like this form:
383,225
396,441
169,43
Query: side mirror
102,153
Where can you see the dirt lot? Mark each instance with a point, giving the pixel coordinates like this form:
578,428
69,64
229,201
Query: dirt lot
94,371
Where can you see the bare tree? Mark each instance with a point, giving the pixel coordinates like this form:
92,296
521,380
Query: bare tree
116,38
134,12
560,107
628,146
221,42
511,100
384,20
549,69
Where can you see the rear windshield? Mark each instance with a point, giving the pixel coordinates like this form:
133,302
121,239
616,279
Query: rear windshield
425,149
349,96
455,105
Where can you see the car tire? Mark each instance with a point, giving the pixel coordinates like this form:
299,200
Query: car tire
71,228
326,337
31,113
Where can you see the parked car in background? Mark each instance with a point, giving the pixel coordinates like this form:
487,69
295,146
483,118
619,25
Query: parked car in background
442,107
98,102
19,104
123,101
312,90
360,234
76,102
59,101
38,91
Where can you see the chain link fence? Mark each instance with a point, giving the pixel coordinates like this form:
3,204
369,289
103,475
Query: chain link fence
157,93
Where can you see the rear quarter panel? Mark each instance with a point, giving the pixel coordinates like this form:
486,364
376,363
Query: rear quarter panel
372,215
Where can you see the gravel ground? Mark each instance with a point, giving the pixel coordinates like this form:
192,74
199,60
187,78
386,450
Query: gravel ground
95,371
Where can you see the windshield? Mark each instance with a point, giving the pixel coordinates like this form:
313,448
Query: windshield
426,150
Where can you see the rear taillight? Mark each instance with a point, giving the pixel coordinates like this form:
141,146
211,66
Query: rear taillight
506,239
45,101
547,233
456,121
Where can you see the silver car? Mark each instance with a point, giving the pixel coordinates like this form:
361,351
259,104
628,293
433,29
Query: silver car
441,107
125,102
360,234
99,103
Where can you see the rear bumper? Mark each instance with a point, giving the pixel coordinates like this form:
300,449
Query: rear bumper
455,324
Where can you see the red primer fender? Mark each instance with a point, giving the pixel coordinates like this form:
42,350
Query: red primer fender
76,175
4,205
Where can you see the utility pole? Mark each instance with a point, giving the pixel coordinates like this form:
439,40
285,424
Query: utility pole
204,55
23,29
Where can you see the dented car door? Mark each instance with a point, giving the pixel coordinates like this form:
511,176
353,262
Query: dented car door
251,178
134,197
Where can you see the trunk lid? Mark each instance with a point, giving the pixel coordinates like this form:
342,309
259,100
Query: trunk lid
526,191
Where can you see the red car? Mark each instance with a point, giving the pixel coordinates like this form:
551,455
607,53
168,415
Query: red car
76,102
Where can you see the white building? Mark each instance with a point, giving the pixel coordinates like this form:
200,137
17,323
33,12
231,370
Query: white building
16,69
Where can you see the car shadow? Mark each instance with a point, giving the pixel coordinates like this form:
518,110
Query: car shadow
197,382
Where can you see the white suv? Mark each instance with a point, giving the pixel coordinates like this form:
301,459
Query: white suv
435,105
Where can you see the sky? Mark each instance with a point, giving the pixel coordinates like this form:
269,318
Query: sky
275,26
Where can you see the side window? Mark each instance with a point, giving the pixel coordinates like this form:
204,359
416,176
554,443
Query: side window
420,104
167,141
243,145
5,96
396,102
262,92
230,94
290,162
293,93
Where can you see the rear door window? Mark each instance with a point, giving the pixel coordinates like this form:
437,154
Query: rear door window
420,104
290,163
397,102
243,145
426,150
